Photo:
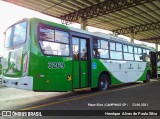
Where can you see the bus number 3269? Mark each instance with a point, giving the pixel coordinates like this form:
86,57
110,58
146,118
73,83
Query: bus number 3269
55,65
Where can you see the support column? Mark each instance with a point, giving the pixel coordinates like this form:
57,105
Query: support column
156,45
83,22
132,37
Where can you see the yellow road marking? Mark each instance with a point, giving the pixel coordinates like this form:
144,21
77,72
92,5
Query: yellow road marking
82,97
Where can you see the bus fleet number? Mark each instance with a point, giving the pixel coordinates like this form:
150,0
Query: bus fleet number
55,65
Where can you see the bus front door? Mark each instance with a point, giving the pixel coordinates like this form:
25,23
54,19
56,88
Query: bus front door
80,62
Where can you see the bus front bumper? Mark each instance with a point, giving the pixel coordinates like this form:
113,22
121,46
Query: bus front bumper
25,83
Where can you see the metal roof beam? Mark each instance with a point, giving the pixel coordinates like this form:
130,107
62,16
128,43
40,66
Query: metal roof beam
140,28
151,39
100,9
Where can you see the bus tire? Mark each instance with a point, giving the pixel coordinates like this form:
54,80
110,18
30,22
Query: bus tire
103,82
147,78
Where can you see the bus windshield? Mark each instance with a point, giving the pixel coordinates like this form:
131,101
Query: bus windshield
16,34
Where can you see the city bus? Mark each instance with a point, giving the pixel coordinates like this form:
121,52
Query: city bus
44,56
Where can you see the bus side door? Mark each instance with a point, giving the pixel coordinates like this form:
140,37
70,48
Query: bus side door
80,62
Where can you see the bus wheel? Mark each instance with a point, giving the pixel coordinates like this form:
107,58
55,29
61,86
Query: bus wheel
103,82
147,78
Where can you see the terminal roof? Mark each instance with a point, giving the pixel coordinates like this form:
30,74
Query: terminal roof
141,17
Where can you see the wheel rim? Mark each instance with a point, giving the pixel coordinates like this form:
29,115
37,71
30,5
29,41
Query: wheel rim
103,84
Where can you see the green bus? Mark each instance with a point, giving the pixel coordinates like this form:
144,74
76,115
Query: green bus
46,56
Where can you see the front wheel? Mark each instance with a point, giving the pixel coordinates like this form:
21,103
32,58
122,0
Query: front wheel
103,82
147,78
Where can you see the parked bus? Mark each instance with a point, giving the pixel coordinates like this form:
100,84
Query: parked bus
45,56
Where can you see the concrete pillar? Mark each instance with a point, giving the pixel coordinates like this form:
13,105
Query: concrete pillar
132,37
156,45
83,22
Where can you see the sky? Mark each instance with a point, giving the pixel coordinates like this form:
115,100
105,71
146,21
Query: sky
10,13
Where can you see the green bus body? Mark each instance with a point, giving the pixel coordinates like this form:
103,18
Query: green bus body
28,65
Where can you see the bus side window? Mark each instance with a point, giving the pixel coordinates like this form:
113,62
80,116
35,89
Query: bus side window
64,49
128,52
96,53
116,51
100,48
96,45
75,48
146,56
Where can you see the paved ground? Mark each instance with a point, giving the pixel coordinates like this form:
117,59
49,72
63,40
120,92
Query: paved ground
11,98
128,96
134,96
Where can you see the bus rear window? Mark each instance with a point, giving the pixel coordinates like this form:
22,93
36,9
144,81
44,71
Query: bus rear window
16,34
